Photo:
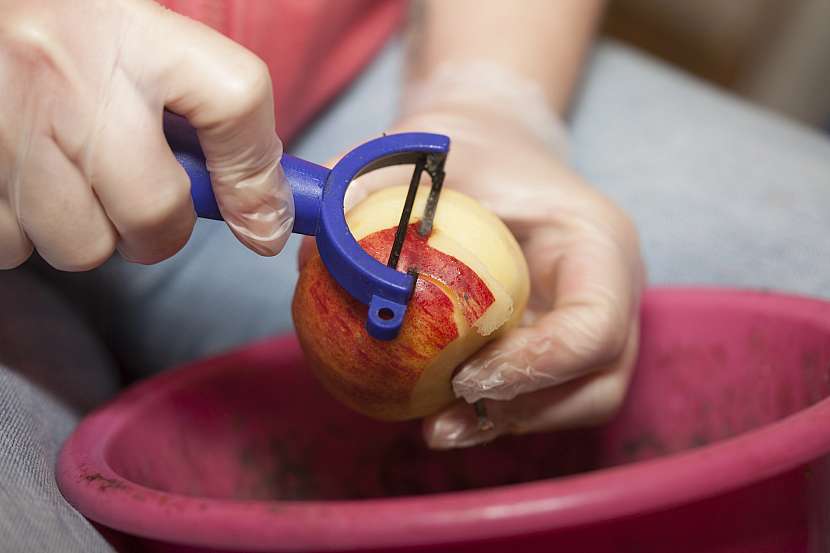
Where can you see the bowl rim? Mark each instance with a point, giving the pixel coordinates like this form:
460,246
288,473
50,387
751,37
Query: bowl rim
82,473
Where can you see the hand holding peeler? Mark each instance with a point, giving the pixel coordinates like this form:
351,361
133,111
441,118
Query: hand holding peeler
319,193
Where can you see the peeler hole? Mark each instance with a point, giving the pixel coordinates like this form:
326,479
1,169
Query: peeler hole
385,313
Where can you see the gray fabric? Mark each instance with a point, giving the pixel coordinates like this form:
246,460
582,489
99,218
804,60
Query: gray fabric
52,354
33,514
722,193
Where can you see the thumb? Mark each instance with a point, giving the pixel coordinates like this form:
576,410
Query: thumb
225,92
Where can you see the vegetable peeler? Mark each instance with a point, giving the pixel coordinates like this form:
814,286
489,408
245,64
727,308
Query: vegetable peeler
319,193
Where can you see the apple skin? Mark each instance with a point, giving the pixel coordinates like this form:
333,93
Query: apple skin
472,286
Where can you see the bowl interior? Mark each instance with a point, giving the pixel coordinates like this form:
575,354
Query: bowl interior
712,365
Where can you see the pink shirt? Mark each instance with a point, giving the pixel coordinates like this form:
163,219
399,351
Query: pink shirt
314,48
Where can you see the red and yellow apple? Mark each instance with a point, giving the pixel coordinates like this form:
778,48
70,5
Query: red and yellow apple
472,286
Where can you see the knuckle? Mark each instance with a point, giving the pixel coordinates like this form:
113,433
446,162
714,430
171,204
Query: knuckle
28,41
610,333
611,212
246,86
614,222
622,232
629,224
596,334
89,255
625,226
155,209
15,246
611,398
159,233
159,251
15,257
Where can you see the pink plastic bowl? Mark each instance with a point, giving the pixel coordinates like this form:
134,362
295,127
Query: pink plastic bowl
721,447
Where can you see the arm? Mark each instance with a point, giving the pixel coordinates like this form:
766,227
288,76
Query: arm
541,40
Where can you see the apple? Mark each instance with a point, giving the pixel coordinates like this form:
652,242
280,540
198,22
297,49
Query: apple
473,285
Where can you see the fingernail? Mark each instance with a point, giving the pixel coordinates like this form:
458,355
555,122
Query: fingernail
450,432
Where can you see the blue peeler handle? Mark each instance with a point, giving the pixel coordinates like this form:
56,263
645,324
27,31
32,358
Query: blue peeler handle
306,179
318,202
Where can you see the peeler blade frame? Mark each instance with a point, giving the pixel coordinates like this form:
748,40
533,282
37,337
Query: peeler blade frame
383,288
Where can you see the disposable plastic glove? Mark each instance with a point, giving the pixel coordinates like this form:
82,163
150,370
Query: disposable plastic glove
570,362
84,165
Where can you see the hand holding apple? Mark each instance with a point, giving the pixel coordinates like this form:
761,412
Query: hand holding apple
568,361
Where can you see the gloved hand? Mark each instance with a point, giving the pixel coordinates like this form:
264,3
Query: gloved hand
570,362
84,165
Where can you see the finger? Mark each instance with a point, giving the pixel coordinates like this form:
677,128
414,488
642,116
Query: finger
588,401
225,92
594,300
144,190
15,120
15,246
59,213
